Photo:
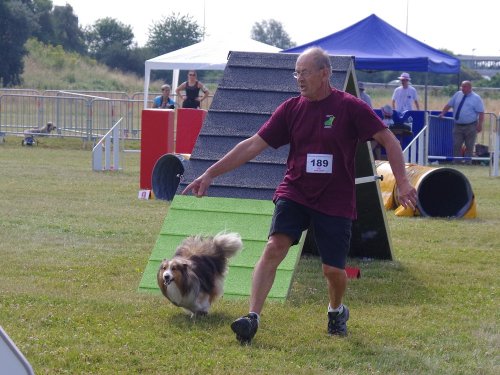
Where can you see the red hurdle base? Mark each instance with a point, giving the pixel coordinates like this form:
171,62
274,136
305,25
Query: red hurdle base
353,272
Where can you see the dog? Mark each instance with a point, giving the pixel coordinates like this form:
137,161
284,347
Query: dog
47,129
194,278
29,135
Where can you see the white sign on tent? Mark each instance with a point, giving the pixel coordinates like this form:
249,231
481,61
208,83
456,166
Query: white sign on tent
211,54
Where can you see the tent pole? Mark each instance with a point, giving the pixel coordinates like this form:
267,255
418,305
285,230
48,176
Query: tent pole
147,73
426,87
175,80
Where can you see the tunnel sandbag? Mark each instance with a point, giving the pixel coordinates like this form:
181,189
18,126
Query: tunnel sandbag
442,192
167,174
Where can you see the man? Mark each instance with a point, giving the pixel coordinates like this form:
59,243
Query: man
405,95
468,111
323,127
363,95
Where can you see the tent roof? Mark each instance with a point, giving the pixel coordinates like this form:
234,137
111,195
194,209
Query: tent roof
210,54
377,45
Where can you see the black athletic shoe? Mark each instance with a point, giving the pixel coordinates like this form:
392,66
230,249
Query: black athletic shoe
245,328
337,322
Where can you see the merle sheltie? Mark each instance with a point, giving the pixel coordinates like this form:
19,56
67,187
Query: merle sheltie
194,278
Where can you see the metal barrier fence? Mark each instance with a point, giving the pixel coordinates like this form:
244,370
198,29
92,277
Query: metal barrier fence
441,135
440,140
84,114
91,114
435,142
74,116
21,112
495,153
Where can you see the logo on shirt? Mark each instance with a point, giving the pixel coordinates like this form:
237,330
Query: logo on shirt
329,121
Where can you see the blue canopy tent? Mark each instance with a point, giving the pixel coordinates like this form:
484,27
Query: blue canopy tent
376,45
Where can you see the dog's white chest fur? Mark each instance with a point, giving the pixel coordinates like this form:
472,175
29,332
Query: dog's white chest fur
175,295
189,301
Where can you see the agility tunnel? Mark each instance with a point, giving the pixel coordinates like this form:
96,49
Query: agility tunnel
442,192
166,176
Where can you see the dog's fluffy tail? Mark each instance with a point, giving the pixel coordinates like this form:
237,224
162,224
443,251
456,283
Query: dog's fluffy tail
229,243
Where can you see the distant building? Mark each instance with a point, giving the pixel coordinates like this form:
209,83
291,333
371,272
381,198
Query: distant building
484,65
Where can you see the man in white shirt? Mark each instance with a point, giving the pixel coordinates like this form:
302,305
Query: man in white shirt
405,95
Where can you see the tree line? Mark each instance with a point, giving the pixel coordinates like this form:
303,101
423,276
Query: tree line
108,40
111,42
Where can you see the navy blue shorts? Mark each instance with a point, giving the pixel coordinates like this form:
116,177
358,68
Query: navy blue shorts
332,234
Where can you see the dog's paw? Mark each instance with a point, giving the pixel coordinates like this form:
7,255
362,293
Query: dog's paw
244,341
198,314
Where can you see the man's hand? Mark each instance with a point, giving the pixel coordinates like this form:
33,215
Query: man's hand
407,195
199,186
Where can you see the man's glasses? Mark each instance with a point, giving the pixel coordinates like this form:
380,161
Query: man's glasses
304,73
191,74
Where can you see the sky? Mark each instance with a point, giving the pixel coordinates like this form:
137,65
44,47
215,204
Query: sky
465,27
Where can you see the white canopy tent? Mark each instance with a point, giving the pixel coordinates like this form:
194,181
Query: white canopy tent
211,54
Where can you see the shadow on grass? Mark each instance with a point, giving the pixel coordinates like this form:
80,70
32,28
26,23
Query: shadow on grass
214,319
381,283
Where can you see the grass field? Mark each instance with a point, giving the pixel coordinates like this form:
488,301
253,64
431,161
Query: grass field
74,244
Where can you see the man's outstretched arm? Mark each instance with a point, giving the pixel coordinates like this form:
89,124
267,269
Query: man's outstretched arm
240,154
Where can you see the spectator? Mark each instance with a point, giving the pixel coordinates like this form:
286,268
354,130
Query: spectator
363,95
389,122
405,95
323,127
468,112
191,88
164,100
387,114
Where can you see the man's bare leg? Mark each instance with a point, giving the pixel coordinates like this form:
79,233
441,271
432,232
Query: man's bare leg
265,270
262,281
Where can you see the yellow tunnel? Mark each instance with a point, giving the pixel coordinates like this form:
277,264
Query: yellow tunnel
442,192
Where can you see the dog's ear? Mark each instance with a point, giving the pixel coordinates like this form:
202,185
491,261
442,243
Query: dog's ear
164,263
182,265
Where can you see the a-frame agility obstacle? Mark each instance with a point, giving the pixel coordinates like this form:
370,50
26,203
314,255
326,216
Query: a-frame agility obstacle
252,86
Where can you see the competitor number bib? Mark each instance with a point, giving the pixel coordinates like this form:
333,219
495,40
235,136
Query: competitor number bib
319,163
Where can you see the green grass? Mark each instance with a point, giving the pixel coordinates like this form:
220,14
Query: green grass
74,244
